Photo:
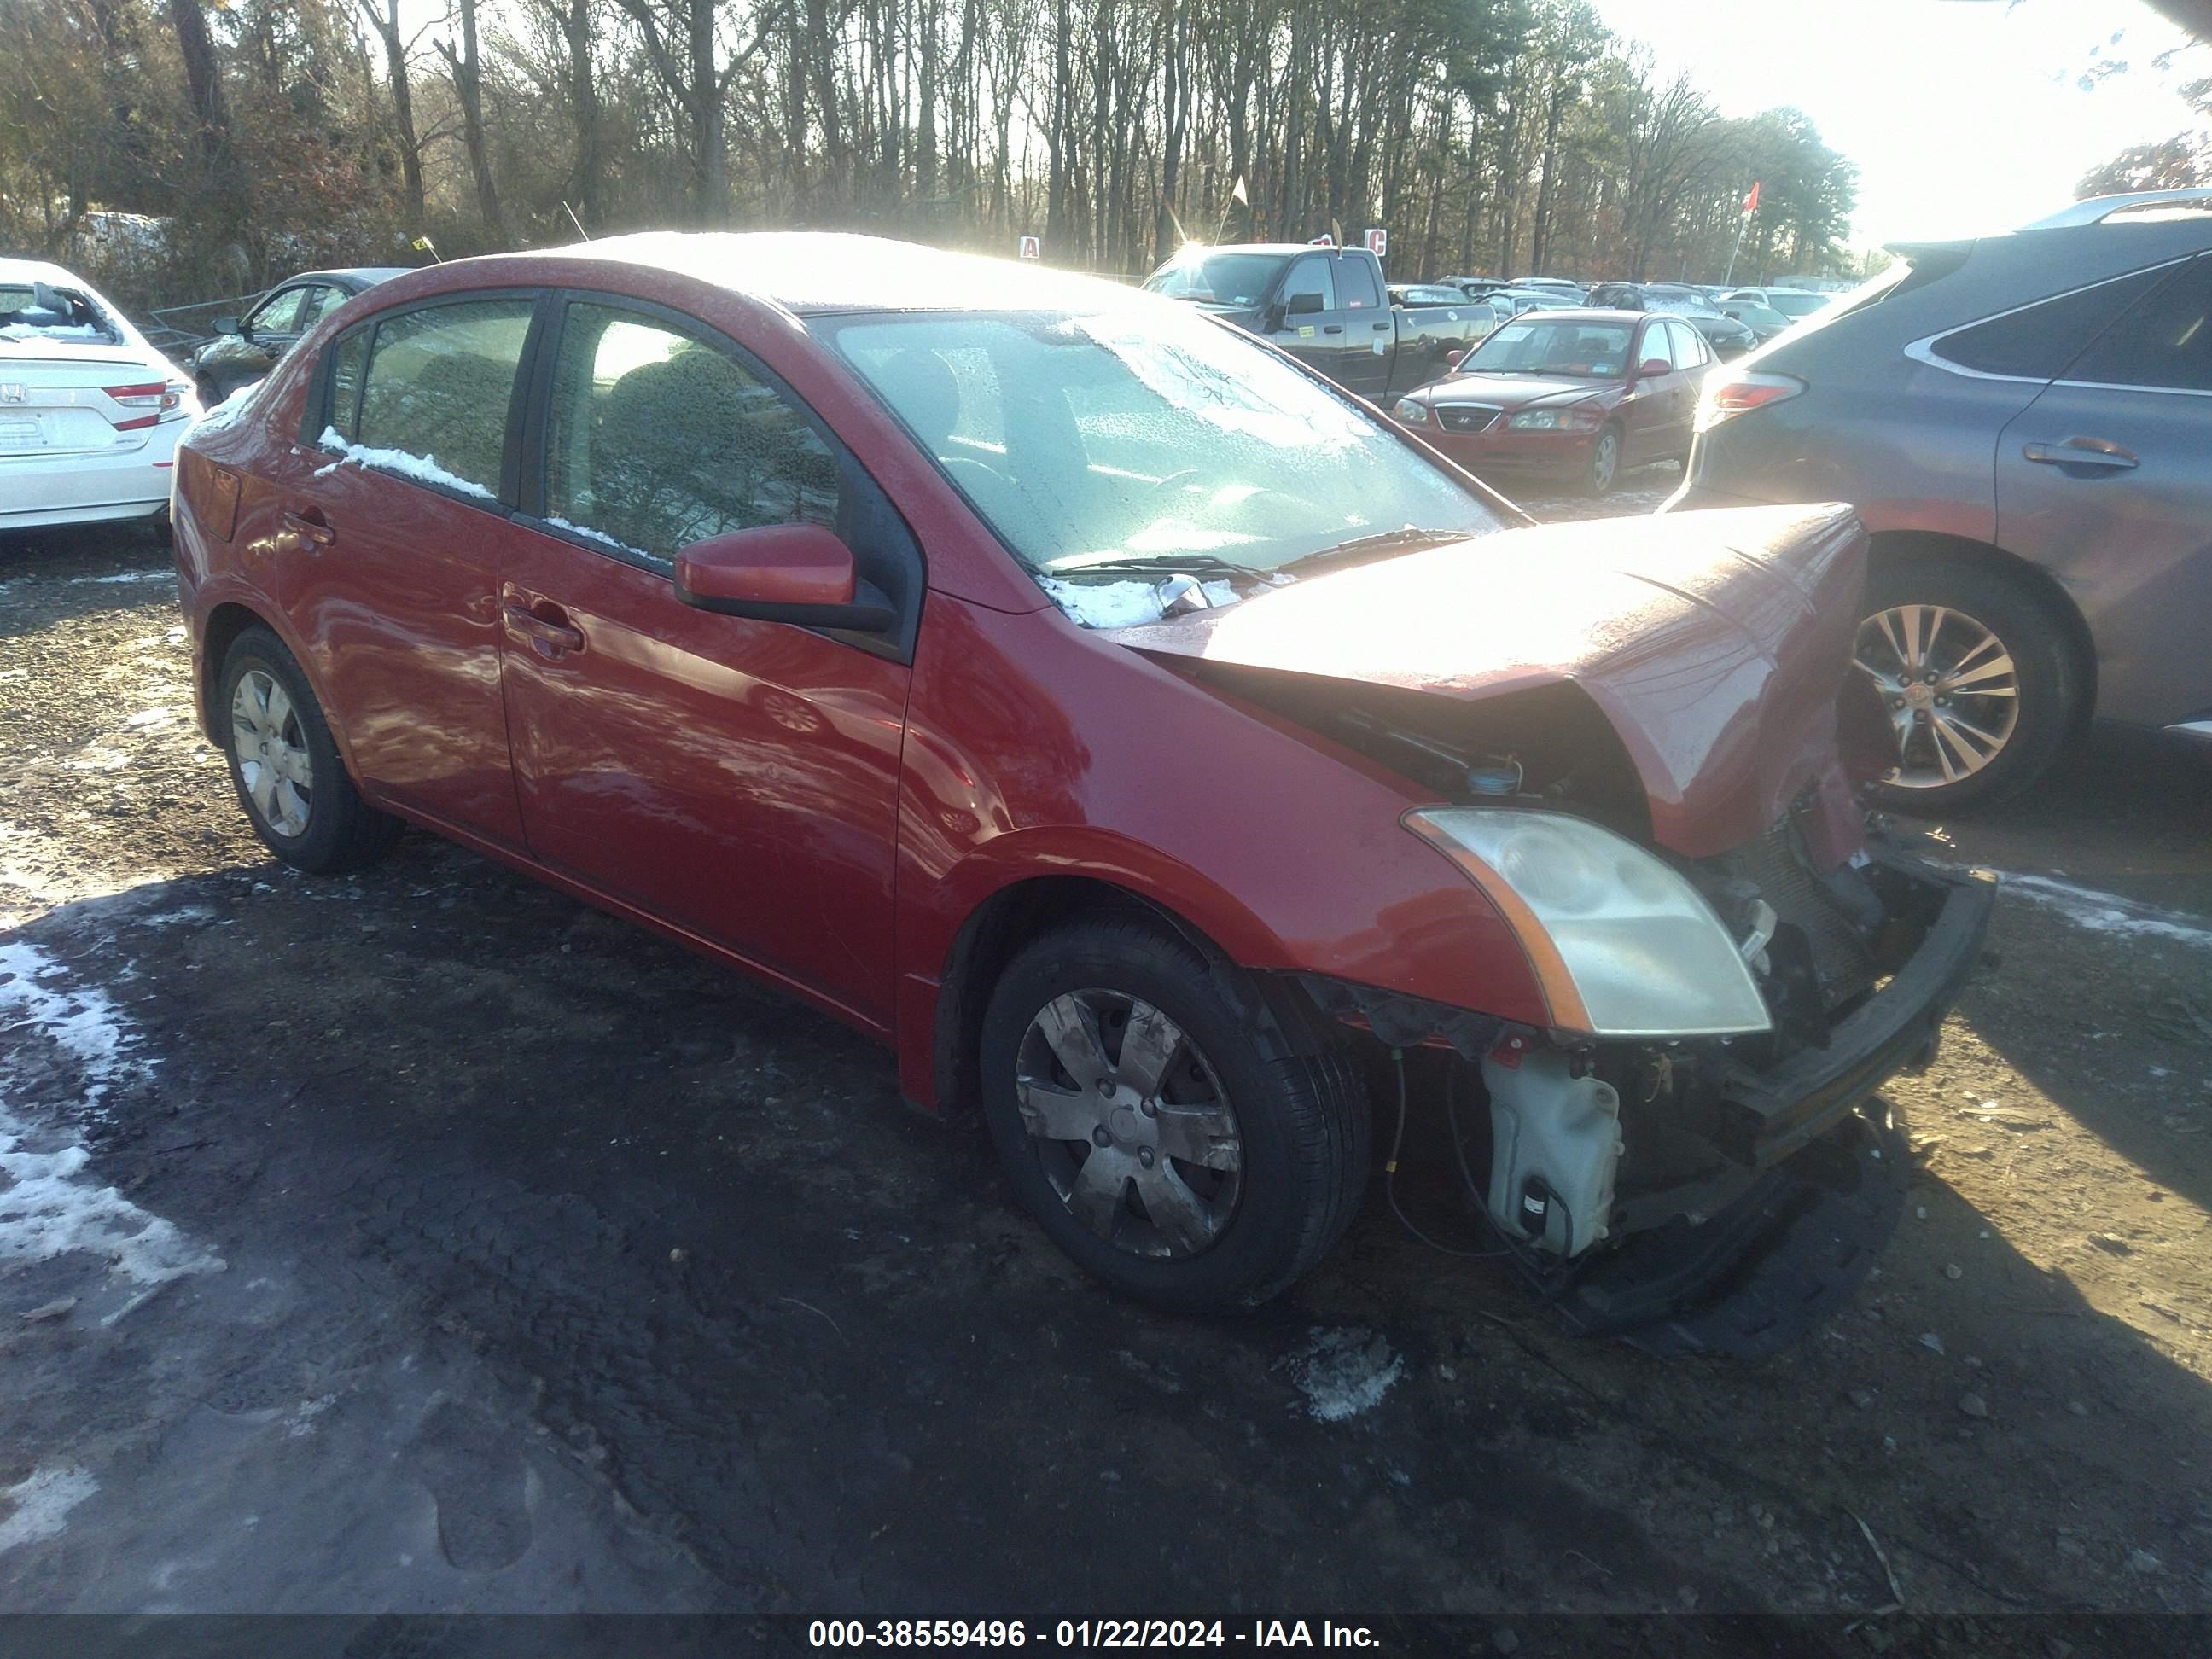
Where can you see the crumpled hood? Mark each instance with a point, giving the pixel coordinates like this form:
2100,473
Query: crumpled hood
1714,642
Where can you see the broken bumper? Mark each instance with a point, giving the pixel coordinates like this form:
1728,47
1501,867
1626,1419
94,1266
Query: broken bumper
1818,1185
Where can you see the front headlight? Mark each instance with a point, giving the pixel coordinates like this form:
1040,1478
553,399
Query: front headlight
1622,944
1413,414
1536,420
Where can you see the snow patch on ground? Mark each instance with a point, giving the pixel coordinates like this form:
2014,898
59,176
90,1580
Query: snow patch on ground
162,575
1105,605
1343,1373
46,1208
2108,913
42,1502
424,469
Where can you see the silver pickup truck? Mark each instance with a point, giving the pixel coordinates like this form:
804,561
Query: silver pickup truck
1326,307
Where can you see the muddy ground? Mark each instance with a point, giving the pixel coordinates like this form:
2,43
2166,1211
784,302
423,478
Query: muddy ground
425,1241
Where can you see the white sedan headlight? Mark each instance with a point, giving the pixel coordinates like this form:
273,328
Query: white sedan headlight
1622,944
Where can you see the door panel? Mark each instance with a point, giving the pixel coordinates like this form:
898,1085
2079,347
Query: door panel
1315,338
738,778
391,580
1368,331
2103,480
2131,543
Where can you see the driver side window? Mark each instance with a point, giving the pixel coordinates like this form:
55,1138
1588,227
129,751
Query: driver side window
280,315
1311,276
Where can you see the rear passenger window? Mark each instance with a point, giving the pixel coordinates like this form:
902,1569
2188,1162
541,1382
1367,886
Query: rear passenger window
2036,342
433,398
658,439
2165,341
1355,282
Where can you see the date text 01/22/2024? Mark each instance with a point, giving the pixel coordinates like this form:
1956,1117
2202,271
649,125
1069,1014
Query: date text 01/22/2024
1085,1633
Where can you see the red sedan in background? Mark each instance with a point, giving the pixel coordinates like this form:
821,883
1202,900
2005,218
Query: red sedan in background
1573,395
1146,741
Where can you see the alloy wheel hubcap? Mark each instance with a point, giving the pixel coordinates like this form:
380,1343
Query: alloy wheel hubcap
1951,690
1607,447
271,751
1129,1122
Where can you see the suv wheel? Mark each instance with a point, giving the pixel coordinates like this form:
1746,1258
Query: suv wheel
1977,679
285,765
1159,1122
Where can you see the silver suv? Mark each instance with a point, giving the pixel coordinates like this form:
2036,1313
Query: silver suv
2025,423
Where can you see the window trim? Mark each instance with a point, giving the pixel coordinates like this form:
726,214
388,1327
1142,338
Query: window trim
535,385
537,418
1924,350
315,414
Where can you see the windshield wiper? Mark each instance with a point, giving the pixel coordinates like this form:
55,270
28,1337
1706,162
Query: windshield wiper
1362,547
1155,564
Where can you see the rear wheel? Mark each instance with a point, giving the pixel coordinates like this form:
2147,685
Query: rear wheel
285,765
1167,1126
1979,681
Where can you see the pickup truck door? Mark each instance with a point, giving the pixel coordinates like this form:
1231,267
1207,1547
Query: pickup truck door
1315,335
1370,340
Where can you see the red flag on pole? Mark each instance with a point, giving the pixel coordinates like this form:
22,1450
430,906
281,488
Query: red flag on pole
1751,202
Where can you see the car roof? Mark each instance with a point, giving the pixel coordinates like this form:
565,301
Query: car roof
362,275
1592,315
41,271
817,272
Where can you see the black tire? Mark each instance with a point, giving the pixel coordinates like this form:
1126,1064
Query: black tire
1604,465
1300,1107
342,831
2048,675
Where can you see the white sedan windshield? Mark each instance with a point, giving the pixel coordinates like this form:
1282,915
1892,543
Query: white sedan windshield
1147,435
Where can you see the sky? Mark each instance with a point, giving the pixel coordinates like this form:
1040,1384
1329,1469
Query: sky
1963,116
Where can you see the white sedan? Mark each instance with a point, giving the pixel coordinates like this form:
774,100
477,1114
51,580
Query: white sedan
89,412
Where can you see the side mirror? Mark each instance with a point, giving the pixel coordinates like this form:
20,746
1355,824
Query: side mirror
229,325
786,573
1652,367
1302,305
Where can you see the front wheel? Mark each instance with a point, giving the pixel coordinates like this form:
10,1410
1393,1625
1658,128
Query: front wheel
1172,1130
1978,680
1604,462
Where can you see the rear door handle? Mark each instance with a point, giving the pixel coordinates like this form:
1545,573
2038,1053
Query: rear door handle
549,635
309,529
2082,451
1382,328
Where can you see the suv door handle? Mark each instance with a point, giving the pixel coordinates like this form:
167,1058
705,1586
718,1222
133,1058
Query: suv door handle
2082,451
1382,328
548,635
1332,328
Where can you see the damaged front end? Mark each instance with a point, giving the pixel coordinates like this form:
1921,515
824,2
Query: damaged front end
1638,745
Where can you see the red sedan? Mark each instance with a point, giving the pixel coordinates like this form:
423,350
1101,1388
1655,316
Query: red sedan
1143,738
1573,395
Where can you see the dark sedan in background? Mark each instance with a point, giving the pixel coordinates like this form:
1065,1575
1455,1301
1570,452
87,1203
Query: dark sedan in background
245,349
1571,394
1724,334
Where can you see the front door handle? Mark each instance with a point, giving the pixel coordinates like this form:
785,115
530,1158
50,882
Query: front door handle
546,628
2082,451
1332,328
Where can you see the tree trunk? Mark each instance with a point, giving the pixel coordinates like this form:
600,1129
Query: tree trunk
468,85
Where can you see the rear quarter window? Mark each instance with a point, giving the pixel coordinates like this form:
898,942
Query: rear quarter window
2036,342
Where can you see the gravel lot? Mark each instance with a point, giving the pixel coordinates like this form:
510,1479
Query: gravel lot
425,1241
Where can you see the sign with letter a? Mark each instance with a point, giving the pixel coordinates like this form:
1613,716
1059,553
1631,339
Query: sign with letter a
1032,248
